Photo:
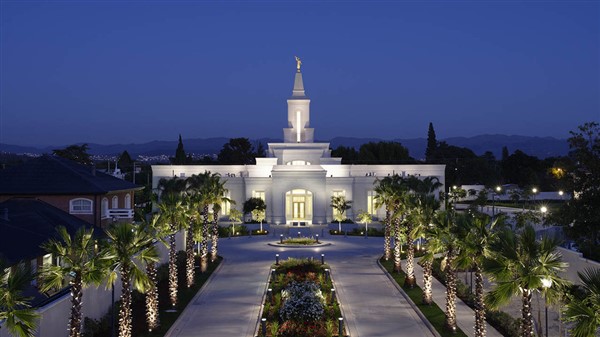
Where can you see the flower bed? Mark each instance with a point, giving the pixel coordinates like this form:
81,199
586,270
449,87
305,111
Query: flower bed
304,241
301,303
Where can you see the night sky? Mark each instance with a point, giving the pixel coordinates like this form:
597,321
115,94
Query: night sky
131,72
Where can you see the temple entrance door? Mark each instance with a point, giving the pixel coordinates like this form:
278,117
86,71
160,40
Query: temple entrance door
298,206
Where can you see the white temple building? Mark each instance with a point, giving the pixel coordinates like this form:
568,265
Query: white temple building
298,177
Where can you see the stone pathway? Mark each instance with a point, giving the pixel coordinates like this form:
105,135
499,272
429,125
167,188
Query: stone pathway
229,303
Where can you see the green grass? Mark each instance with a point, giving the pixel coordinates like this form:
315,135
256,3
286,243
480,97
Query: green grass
185,295
432,312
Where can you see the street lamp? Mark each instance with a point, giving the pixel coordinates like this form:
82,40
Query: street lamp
546,284
498,189
544,210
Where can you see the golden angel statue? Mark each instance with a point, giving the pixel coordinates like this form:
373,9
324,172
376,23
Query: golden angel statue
298,63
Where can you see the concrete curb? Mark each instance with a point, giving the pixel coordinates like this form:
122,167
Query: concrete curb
409,300
317,245
173,327
258,321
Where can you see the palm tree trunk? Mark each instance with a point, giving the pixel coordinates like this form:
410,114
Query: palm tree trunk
410,280
479,303
427,279
215,236
189,255
172,268
76,296
526,314
450,291
152,316
386,240
204,250
125,310
397,245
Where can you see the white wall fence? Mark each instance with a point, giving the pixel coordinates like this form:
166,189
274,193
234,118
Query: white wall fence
96,302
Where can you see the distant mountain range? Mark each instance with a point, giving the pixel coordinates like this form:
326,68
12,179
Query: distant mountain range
540,147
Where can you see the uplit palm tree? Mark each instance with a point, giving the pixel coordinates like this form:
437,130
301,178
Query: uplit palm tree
584,308
424,207
366,218
234,216
443,239
128,249
340,205
519,264
172,212
79,265
156,229
15,309
218,197
476,233
419,190
385,196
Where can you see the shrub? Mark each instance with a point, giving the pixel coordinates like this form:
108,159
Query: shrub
303,302
301,329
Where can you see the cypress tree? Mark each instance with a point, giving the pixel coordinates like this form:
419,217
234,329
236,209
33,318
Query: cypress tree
180,157
431,144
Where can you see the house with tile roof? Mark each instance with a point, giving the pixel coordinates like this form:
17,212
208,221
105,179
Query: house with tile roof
94,197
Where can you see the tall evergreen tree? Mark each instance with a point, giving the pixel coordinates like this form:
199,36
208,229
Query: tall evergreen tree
431,143
505,153
180,157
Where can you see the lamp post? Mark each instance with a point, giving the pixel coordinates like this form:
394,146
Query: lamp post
561,193
546,284
498,189
543,210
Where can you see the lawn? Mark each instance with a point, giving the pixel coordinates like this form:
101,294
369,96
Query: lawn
432,312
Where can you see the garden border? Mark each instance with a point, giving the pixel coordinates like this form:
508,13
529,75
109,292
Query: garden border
200,291
409,300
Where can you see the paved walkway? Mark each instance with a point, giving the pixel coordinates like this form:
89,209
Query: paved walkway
229,304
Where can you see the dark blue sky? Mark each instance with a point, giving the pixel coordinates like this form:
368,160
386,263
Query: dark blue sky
120,72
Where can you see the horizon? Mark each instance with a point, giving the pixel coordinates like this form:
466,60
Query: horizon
175,139
130,73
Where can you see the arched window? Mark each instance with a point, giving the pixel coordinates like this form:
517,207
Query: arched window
104,210
80,206
115,202
127,201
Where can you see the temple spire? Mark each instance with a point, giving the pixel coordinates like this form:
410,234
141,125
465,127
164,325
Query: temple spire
298,91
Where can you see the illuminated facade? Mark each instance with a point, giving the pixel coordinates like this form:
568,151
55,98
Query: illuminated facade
298,177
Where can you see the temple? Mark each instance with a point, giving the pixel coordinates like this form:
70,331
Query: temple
298,177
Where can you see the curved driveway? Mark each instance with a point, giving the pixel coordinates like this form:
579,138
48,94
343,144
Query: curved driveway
229,303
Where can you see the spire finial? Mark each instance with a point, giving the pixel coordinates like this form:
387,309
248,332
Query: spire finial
298,63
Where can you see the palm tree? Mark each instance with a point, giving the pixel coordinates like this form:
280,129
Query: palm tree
218,197
79,265
129,248
340,205
443,239
477,232
172,212
15,310
366,218
384,196
156,229
234,216
422,214
519,264
584,307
